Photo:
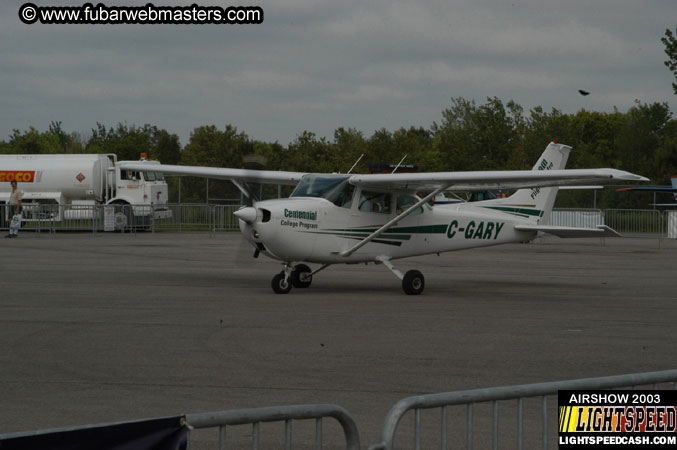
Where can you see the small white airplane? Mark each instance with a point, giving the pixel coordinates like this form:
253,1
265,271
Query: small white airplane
346,219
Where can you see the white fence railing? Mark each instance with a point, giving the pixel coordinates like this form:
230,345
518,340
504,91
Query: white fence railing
129,218
201,217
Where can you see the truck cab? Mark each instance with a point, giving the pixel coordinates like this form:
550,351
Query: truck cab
145,191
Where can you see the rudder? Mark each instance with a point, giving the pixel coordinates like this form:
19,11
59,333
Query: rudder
534,204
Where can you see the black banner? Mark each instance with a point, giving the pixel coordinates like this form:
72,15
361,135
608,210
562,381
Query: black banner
156,434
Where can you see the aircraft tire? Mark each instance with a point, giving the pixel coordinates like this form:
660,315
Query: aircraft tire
280,286
413,282
296,280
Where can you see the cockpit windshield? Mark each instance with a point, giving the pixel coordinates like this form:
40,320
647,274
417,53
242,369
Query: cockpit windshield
325,186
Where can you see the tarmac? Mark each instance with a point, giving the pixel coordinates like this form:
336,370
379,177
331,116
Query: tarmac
106,327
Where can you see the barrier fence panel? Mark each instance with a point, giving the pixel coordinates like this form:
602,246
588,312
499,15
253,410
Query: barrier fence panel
202,217
533,397
520,400
645,221
224,219
584,218
672,224
127,218
224,420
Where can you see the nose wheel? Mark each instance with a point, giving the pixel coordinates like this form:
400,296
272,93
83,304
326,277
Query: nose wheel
281,283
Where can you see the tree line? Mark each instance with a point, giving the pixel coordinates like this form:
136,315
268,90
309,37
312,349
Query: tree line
493,135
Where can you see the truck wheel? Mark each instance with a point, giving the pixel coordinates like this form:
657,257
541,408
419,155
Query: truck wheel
120,221
123,217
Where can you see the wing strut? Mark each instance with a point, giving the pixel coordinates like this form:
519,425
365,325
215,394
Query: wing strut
392,222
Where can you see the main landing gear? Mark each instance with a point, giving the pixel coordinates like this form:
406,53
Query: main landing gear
413,281
298,276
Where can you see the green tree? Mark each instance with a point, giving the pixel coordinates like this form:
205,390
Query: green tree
211,147
307,153
417,143
670,41
32,141
349,145
166,148
483,137
127,142
380,149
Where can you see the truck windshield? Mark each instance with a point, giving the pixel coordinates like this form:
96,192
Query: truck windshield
153,176
324,186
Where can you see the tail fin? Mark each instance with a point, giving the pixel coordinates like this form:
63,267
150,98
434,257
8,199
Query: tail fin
535,204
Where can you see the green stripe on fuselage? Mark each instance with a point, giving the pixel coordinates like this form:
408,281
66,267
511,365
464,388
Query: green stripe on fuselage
520,211
427,229
361,235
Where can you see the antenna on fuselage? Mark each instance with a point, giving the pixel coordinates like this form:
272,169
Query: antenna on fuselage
399,163
358,160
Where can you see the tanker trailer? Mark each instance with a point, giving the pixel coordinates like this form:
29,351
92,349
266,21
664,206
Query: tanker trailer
69,187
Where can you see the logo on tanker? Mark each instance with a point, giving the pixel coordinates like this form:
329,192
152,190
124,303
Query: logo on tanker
80,177
20,176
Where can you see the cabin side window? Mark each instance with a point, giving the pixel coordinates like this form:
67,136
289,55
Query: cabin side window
344,199
378,202
404,202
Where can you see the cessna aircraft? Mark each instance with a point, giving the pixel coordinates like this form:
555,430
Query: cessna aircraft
341,218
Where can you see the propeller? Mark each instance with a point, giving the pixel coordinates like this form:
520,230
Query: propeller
248,213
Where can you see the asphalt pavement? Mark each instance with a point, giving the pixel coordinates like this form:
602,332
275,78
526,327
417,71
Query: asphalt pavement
109,327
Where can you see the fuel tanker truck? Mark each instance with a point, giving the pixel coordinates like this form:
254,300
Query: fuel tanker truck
66,187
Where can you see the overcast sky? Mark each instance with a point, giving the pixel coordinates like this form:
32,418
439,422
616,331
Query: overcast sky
318,65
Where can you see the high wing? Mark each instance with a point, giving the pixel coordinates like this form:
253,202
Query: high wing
487,180
235,175
409,182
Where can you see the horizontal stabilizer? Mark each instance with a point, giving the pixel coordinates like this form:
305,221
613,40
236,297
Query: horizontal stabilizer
571,232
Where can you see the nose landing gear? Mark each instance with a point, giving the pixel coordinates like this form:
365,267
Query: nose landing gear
298,276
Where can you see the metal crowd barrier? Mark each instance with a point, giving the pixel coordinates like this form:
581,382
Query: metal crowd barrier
569,217
201,217
286,414
127,218
636,221
224,421
494,396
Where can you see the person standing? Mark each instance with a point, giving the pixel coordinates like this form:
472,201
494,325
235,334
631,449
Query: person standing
14,209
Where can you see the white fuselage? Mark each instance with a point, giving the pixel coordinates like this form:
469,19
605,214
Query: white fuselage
316,230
